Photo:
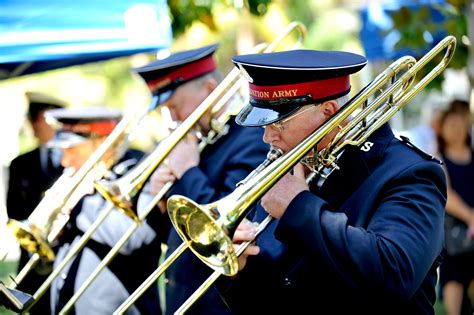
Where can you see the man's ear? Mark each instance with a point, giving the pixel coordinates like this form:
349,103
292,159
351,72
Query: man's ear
329,108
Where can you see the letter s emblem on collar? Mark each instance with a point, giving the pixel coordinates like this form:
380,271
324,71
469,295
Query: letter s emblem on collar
366,146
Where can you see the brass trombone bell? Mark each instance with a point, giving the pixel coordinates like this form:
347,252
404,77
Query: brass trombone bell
33,234
208,229
66,194
219,124
31,239
204,235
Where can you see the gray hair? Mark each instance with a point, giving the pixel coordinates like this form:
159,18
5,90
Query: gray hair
342,100
214,75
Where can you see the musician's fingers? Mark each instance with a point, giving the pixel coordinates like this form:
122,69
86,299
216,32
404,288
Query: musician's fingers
246,231
251,250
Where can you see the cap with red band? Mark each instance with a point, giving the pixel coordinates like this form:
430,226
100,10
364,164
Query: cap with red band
98,128
281,83
317,89
76,125
164,76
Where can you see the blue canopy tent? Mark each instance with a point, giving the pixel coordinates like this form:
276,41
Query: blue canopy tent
378,37
37,36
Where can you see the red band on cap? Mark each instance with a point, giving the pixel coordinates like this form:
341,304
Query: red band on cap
187,72
99,128
318,89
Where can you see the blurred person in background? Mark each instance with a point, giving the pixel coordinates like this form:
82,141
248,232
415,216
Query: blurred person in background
30,175
183,81
425,135
80,132
457,269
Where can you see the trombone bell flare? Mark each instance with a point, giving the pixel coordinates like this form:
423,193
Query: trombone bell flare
31,240
222,216
208,229
204,236
111,192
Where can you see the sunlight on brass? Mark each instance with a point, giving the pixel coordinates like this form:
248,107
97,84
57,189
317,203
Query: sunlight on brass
129,187
209,228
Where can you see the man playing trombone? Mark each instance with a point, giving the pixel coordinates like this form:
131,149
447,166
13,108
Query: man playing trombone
364,238
80,132
201,168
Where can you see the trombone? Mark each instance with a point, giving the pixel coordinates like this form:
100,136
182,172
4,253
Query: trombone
214,224
41,228
116,141
218,129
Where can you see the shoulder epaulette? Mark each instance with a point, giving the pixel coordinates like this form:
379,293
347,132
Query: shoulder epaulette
425,155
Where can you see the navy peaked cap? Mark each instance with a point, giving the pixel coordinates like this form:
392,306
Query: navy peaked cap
165,75
280,83
75,125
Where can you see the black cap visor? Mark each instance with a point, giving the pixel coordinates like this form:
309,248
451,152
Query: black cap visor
164,96
251,116
66,139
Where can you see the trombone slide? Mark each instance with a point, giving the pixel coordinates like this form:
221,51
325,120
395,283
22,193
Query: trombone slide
208,228
115,250
216,274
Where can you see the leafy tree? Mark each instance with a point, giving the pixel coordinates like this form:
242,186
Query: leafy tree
185,12
419,26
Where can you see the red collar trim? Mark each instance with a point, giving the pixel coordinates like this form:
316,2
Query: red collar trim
186,72
317,89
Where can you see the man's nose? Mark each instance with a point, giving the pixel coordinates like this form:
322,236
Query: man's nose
270,135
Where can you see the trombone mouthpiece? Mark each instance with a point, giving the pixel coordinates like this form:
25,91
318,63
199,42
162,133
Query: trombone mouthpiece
274,154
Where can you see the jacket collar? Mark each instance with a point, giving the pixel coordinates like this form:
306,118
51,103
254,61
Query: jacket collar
355,165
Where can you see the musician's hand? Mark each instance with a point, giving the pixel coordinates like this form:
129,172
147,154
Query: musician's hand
184,156
277,199
246,231
160,177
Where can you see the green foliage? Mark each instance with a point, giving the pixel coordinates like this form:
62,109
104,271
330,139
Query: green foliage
7,269
414,26
258,7
185,12
300,11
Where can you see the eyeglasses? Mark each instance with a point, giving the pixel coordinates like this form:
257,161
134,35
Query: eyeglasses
280,125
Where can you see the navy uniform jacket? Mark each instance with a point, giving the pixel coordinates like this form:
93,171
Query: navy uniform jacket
367,242
27,183
221,167
134,263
